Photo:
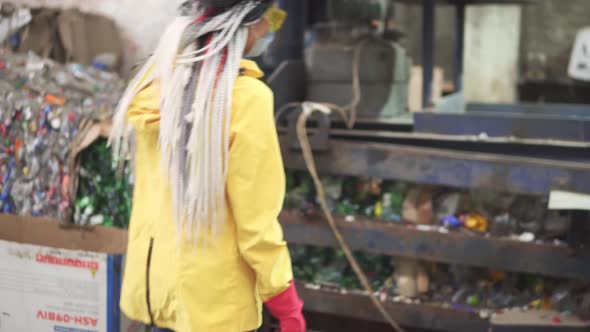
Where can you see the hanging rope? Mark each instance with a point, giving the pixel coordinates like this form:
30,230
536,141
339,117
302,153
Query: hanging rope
348,114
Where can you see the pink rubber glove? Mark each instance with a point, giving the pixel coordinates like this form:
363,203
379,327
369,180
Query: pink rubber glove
287,307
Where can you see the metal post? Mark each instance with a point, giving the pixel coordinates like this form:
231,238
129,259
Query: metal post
289,43
428,20
459,45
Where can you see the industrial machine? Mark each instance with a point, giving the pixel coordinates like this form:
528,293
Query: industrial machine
352,34
532,149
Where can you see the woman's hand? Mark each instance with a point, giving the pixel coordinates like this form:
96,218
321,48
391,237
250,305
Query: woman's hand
287,307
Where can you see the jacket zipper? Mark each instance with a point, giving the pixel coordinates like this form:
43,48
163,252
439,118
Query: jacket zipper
147,282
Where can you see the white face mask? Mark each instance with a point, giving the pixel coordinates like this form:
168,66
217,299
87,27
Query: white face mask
261,45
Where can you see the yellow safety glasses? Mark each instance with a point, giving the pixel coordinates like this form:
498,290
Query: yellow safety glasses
276,18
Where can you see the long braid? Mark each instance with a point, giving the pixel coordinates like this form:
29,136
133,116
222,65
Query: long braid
195,64
181,175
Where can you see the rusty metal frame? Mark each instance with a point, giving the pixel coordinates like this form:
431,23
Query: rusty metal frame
413,315
453,248
462,169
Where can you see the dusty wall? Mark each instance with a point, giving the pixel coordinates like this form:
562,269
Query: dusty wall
548,29
141,21
547,34
409,20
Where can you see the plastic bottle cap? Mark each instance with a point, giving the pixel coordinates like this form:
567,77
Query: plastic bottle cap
55,123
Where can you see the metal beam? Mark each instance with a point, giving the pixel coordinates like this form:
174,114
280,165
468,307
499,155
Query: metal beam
422,316
472,2
556,109
453,248
495,124
446,167
536,321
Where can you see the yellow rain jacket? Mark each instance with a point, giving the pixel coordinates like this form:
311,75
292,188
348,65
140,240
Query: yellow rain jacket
219,287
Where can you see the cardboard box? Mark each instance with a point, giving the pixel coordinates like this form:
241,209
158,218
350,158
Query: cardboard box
56,279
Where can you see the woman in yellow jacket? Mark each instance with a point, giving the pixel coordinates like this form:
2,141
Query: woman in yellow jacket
205,247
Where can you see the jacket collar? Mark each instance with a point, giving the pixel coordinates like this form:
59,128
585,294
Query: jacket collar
250,68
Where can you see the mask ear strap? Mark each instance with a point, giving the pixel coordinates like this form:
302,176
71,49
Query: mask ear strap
249,32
